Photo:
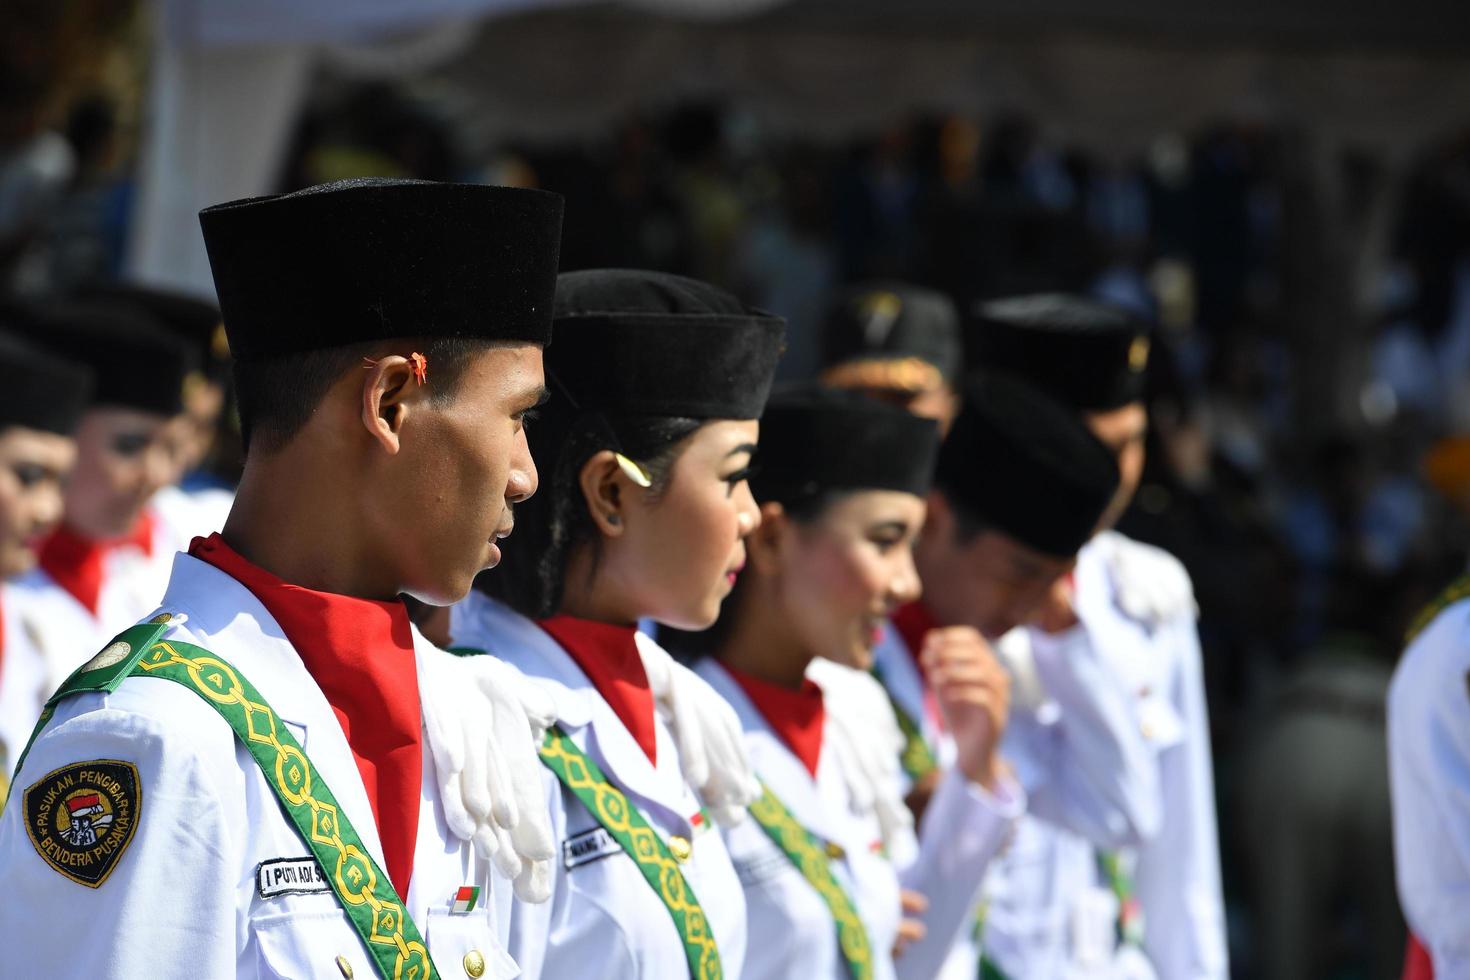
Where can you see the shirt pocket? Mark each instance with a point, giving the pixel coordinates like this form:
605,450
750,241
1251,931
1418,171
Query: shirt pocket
302,945
465,946
1159,723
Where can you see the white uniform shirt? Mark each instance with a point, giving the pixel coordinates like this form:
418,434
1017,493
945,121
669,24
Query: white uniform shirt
185,898
24,679
797,935
1085,770
1176,870
132,581
1429,775
604,920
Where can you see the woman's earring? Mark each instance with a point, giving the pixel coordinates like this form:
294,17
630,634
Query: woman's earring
614,519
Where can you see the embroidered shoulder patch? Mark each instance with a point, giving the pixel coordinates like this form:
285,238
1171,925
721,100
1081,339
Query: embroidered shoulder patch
81,817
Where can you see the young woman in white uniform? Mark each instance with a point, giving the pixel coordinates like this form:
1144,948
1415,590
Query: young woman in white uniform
831,845
657,383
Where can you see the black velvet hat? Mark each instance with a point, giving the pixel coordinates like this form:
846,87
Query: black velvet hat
892,336
41,391
196,320
135,363
374,259
1020,463
1088,355
815,441
633,342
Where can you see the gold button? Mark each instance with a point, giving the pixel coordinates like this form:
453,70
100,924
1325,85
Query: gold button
474,963
345,967
161,618
680,848
833,851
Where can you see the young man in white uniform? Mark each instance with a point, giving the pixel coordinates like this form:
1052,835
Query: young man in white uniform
265,777
1133,678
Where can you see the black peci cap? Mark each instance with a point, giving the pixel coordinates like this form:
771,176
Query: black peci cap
1088,355
135,363
371,259
816,441
632,342
890,335
41,390
196,320
1021,464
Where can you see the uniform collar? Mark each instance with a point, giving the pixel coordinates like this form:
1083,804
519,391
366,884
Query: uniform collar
75,561
608,655
226,618
483,622
796,716
361,654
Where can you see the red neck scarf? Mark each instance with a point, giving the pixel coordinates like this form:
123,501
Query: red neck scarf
913,621
608,655
360,652
796,716
75,562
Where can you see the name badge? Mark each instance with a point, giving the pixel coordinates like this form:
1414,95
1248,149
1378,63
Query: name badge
588,846
290,876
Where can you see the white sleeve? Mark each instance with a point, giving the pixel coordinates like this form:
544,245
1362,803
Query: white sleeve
1103,778
1178,874
1429,776
167,908
963,828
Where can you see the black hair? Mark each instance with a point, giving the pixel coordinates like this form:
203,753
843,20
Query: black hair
967,524
276,396
555,521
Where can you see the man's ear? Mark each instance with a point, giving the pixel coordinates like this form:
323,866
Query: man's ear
604,488
388,392
764,545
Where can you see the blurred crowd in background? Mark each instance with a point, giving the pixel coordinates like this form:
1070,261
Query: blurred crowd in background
1304,458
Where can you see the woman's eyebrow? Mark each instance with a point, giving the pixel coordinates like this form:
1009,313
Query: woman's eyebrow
744,447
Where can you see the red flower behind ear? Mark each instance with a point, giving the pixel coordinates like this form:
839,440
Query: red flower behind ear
420,367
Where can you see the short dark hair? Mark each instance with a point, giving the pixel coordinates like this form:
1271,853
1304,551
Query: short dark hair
277,395
531,577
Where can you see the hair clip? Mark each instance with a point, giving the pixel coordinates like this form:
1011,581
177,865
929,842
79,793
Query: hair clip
634,471
420,365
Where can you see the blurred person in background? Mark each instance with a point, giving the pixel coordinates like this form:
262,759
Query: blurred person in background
1020,487
41,404
842,489
897,343
109,559
199,503
1129,611
1313,787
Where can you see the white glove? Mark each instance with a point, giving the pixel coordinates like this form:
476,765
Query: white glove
864,733
485,721
707,731
1151,585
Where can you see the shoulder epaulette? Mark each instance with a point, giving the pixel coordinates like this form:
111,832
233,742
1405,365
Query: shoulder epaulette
1459,589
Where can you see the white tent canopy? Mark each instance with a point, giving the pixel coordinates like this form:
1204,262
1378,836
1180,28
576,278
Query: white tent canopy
229,78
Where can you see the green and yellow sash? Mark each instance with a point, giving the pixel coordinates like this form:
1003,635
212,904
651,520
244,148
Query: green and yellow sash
811,857
918,759
365,892
649,852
